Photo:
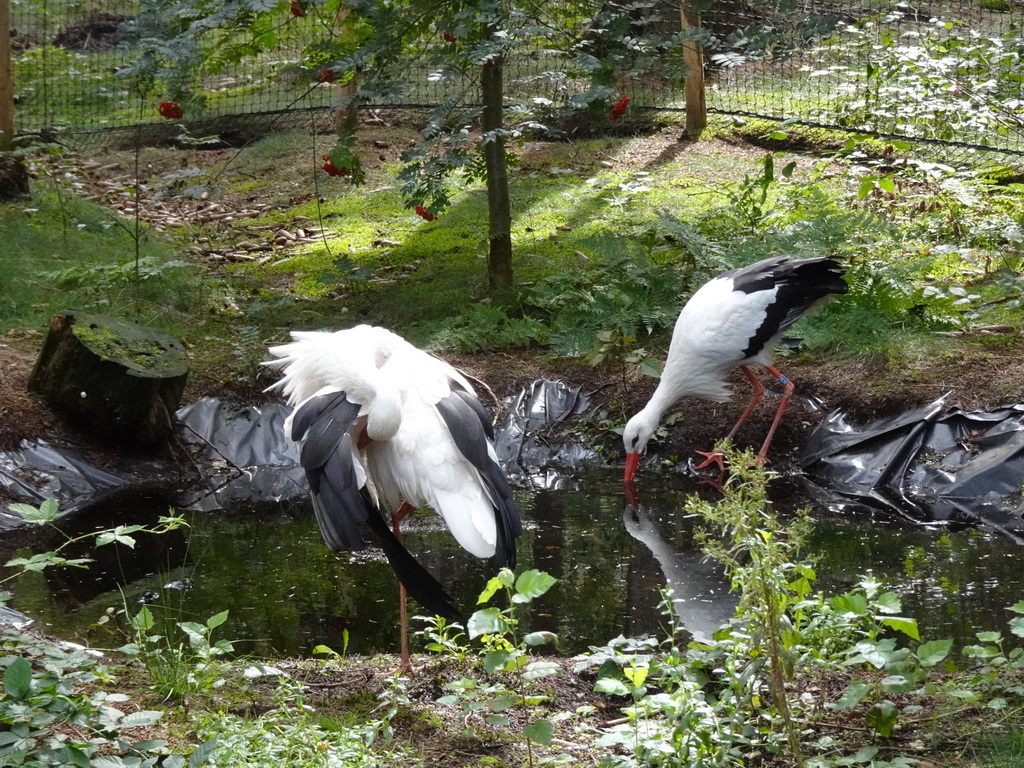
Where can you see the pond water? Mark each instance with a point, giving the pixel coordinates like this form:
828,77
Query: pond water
286,593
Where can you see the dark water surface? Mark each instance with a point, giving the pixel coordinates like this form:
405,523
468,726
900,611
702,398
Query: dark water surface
287,593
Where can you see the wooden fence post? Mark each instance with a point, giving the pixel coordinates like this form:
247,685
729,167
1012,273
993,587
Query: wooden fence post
693,55
6,80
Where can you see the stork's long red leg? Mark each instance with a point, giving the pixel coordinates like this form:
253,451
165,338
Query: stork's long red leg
405,509
715,457
787,392
755,398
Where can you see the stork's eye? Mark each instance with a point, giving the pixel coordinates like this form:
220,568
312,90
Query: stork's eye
636,441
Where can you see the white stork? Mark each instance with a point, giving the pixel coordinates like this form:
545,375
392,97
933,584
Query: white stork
383,425
733,320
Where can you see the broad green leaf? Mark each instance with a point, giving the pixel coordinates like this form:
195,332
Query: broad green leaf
882,717
202,753
896,683
850,603
487,621
73,755
173,761
504,580
142,717
636,675
989,637
540,731
44,513
904,625
965,694
501,702
217,619
1017,607
143,620
497,720
889,602
611,686
531,584
538,669
1017,626
997,704
934,651
981,651
540,638
651,366
18,679
494,661
853,694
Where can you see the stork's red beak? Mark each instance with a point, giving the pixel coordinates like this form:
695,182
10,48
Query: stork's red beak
632,462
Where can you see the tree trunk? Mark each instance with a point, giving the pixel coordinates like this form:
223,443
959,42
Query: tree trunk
116,378
499,208
693,55
6,81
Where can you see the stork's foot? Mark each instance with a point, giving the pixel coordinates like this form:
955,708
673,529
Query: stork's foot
711,457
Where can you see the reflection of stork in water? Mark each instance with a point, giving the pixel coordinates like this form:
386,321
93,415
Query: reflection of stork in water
701,597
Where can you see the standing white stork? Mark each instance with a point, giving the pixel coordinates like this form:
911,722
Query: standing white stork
383,425
733,320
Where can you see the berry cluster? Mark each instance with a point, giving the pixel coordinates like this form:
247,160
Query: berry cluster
424,213
449,37
170,109
331,170
619,109
327,76
297,9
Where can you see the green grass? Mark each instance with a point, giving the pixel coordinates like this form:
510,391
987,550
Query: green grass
78,255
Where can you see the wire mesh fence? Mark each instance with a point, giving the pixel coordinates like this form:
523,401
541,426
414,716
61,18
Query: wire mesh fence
947,72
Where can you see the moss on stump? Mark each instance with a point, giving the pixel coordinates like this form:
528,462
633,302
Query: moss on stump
118,379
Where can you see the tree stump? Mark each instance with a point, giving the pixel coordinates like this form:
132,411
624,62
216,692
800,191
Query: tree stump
13,178
121,380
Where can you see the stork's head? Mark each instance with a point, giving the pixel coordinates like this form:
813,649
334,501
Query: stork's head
635,436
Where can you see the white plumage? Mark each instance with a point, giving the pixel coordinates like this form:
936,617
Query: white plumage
385,426
733,320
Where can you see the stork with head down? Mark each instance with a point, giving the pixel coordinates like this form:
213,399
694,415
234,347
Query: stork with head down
383,425
733,320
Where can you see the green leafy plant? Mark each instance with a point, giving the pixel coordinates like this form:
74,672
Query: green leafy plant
503,653
48,512
51,713
179,670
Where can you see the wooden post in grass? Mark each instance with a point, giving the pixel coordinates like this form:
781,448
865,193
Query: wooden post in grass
6,80
693,55
346,120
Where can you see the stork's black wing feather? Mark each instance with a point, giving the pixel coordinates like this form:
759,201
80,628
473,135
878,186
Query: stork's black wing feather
467,422
798,286
418,581
322,423
340,504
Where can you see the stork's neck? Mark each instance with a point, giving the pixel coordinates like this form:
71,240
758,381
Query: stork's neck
385,414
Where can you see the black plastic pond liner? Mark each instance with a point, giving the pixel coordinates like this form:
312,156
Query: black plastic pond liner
933,465
37,471
523,439
243,455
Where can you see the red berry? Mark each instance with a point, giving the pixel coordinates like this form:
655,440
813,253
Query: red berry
170,109
449,37
327,76
329,168
619,109
424,213
297,9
